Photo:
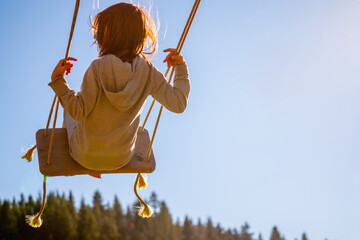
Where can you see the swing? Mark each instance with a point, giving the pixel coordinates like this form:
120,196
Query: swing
62,164
53,150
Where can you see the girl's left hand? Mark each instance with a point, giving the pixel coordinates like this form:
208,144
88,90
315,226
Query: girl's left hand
62,67
173,58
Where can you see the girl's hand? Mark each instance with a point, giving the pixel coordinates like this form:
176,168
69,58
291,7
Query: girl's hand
62,67
173,58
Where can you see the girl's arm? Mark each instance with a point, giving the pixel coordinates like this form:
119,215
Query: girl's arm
174,98
77,105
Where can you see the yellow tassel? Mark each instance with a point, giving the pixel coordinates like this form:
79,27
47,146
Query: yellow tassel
29,154
145,211
34,220
142,182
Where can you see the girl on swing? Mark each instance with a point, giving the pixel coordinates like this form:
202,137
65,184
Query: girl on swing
102,119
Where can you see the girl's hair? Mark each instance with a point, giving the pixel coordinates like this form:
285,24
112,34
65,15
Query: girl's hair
125,31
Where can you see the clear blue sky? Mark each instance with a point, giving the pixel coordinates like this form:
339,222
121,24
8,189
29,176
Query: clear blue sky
272,130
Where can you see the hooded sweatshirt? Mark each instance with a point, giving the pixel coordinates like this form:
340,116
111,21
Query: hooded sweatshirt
108,107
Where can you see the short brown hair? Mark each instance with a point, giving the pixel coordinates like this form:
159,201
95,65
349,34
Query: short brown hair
124,30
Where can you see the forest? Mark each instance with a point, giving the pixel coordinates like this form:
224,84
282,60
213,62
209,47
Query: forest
99,221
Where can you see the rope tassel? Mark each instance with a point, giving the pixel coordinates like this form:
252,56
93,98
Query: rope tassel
29,154
35,221
144,210
142,182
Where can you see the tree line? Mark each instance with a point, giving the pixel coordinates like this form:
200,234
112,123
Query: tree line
62,220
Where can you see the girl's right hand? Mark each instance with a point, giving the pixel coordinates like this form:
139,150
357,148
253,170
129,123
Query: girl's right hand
173,58
62,67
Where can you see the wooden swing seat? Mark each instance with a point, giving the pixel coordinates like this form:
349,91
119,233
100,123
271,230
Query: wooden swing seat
62,164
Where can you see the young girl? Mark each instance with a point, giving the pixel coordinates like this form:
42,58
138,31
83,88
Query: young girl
102,119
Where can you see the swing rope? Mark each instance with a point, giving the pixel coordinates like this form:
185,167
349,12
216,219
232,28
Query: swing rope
52,132
35,220
178,50
145,210
29,153
50,114
77,4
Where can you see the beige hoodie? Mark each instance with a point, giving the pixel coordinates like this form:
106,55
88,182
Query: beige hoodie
108,107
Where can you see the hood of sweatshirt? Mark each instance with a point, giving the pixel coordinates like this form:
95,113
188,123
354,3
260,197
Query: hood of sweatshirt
123,82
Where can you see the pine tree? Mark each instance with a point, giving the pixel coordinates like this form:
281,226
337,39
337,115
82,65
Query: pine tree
210,231
219,230
58,221
236,234
188,232
7,222
154,202
98,210
30,206
228,235
200,230
275,235
164,220
21,202
67,218
244,234
260,237
17,214
24,230
119,216
178,229
109,229
71,206
98,207
87,225
304,237
28,232
129,223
